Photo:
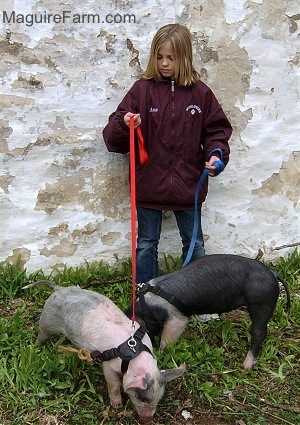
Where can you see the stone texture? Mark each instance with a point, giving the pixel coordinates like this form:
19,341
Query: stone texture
65,200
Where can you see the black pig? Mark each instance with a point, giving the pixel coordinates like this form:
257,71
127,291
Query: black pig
212,284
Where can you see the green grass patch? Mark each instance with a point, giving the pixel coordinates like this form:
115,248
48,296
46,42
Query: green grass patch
41,386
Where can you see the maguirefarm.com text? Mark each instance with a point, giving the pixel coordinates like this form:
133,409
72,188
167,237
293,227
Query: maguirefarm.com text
66,17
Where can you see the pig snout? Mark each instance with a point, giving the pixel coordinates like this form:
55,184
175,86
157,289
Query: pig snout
145,394
145,385
145,419
145,414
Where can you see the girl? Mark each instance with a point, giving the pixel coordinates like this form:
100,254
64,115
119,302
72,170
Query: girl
185,130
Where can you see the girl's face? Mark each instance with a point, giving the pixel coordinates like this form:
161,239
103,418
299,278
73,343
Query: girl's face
166,60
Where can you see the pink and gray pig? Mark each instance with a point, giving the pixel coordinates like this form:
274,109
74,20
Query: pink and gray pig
92,321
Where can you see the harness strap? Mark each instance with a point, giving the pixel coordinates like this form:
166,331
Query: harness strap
163,294
135,345
105,356
151,318
127,351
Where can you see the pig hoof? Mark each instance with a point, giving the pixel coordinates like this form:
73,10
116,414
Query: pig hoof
118,405
249,361
124,414
36,317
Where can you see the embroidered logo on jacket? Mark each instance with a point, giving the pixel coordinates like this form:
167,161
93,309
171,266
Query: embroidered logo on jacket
193,109
153,109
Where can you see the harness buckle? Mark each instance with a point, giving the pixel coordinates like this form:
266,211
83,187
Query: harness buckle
132,344
141,286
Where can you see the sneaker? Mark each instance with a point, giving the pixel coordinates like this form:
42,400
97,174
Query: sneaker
208,317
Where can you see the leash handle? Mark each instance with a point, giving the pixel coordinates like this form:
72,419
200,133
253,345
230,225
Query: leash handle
133,216
142,151
196,218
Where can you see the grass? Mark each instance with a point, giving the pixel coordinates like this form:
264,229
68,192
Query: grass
41,386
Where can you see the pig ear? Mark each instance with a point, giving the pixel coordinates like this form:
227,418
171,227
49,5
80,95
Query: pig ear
137,383
171,374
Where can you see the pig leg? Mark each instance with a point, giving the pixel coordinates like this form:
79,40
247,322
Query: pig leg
41,339
172,331
260,316
43,336
47,328
113,379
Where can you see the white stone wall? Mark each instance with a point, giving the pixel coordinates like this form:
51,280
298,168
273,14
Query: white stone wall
65,200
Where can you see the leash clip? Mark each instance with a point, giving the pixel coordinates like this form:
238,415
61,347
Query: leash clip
140,286
132,344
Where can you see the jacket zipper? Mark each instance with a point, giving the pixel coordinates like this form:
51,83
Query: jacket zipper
173,107
173,126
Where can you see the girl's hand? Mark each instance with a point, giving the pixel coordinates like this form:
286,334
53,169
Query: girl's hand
209,165
136,119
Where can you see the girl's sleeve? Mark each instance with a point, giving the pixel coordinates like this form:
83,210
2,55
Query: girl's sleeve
216,129
116,132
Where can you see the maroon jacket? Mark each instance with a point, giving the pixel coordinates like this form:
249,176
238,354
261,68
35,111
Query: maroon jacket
181,127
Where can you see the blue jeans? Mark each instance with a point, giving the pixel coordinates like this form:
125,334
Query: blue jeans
149,230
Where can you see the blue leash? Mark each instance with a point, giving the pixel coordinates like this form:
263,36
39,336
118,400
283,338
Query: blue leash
219,167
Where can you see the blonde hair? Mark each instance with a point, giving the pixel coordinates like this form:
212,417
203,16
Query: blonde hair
180,38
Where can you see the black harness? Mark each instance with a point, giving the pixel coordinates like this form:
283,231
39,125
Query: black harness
143,288
127,351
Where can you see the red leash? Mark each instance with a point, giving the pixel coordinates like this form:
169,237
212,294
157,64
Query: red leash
133,217
143,156
142,151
